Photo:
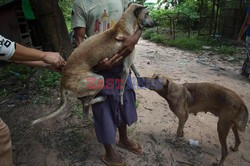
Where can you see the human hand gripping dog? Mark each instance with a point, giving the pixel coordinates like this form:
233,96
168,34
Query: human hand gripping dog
126,49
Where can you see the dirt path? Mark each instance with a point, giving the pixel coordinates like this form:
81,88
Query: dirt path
70,140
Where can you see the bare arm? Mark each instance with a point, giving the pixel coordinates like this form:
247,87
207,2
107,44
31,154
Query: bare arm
24,54
244,27
79,33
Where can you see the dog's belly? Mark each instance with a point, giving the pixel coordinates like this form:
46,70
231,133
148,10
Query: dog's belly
203,109
205,106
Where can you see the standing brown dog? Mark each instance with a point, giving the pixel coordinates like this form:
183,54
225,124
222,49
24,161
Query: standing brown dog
187,98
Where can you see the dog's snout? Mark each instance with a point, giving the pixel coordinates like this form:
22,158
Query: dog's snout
150,24
141,82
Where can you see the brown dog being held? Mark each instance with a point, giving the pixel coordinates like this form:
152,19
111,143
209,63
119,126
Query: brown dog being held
187,98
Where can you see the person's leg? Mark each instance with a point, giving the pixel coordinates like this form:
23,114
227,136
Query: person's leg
123,136
127,143
106,130
5,145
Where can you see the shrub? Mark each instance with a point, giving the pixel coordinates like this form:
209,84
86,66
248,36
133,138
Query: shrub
148,34
227,50
187,43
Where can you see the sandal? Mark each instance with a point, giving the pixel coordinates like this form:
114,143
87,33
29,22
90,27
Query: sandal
136,148
111,163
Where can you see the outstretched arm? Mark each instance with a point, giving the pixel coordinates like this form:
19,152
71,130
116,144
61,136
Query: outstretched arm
15,52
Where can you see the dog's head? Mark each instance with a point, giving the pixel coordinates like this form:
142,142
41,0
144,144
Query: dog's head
157,82
142,15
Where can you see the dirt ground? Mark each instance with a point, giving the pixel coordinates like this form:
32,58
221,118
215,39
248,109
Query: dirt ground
70,139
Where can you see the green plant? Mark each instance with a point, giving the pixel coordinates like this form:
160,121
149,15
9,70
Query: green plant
48,79
66,6
157,38
187,43
137,103
227,50
19,71
77,110
148,34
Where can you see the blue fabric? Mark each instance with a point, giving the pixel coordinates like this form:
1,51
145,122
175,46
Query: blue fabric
110,114
248,29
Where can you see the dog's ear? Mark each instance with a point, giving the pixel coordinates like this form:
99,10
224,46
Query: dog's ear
138,10
130,3
166,84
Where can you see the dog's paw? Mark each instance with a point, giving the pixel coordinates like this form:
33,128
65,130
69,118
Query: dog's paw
180,134
86,104
234,149
217,164
122,101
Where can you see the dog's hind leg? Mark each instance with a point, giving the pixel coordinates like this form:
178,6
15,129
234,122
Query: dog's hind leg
223,127
125,72
137,74
91,86
237,139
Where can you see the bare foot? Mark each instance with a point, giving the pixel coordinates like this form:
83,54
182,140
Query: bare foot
113,159
131,146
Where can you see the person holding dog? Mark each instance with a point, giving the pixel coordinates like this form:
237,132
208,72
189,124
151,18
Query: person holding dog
246,28
11,51
90,18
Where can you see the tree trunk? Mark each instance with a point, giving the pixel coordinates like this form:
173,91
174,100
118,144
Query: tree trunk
52,25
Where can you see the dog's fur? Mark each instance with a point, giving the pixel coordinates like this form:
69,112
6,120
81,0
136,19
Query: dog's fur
187,98
79,65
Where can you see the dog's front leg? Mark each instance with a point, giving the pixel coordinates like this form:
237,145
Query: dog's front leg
182,116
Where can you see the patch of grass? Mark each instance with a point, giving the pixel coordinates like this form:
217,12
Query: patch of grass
19,71
48,79
187,43
77,110
227,50
157,38
192,43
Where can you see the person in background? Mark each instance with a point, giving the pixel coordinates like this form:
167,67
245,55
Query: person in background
90,18
246,28
14,52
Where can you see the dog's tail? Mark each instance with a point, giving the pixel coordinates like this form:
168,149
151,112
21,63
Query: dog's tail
242,118
56,112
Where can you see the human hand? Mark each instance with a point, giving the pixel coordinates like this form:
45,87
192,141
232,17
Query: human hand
53,59
107,64
128,45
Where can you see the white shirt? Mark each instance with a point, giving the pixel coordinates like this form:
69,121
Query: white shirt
7,48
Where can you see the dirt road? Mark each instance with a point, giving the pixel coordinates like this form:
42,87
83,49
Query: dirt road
70,140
